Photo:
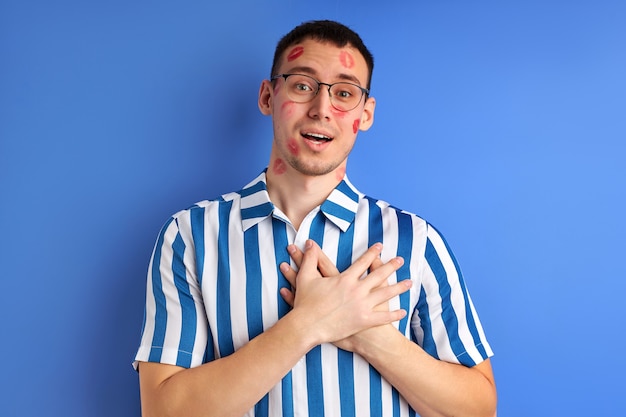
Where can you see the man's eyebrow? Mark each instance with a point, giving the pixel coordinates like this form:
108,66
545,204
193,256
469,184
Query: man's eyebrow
310,71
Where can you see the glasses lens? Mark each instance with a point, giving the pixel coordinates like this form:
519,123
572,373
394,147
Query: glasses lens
301,88
345,96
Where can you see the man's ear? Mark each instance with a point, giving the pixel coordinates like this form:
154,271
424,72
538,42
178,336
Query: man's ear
266,98
367,117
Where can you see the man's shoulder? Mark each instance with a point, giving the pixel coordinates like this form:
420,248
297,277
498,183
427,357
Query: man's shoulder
224,199
386,207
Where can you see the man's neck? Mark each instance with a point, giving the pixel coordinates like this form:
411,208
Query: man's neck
296,194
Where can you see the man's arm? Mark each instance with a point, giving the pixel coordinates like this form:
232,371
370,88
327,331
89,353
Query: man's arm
325,310
229,386
432,387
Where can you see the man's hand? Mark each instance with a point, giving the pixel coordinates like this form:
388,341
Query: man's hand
358,302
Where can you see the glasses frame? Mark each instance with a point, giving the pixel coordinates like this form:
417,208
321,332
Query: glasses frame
364,91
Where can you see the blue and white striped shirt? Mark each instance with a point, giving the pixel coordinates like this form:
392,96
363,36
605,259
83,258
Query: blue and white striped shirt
213,285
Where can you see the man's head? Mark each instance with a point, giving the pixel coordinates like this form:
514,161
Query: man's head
317,99
323,31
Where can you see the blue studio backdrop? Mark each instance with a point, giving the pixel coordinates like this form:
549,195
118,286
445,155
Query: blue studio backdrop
504,120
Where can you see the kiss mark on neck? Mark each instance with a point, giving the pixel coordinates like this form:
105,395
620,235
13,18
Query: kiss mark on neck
295,53
340,173
279,167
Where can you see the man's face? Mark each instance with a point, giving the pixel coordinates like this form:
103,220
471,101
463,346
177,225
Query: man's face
314,138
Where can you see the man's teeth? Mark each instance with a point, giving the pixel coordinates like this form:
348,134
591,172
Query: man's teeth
316,136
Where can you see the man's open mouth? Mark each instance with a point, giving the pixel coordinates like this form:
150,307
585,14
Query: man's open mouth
317,137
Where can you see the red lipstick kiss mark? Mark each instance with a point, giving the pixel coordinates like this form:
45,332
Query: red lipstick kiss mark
287,107
295,53
279,167
340,173
293,147
346,59
339,113
355,125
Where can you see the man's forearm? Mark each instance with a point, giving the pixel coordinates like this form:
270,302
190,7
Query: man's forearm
229,386
431,386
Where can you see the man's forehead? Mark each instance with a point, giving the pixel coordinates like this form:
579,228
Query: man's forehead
348,56
309,41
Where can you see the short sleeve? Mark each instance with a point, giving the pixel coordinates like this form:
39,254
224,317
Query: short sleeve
175,327
445,322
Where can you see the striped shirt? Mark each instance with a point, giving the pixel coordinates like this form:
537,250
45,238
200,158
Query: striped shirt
213,285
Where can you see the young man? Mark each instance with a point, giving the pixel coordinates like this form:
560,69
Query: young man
300,296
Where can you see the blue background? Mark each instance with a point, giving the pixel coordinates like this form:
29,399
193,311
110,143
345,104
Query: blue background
503,123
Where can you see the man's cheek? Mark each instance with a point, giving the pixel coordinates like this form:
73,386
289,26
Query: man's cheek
287,108
293,147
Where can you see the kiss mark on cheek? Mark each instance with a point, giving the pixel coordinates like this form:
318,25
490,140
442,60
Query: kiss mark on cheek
355,125
338,113
295,53
293,147
346,59
287,108
279,167
340,173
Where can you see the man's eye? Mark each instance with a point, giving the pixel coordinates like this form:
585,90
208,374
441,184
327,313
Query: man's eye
303,87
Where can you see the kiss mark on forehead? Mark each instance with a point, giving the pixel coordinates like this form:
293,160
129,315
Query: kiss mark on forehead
355,125
279,167
346,59
295,53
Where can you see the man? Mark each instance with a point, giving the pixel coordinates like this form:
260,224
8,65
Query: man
298,295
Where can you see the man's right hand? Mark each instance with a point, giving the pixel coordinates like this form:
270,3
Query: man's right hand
343,304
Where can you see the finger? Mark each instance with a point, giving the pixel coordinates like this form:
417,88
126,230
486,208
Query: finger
382,272
324,264
377,263
288,296
289,273
385,317
326,267
308,266
363,263
296,254
384,294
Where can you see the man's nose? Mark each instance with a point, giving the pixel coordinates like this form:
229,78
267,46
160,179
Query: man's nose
321,104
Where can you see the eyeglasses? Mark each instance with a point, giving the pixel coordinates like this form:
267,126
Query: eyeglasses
302,89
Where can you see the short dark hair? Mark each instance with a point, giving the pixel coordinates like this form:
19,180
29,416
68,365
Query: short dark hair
324,31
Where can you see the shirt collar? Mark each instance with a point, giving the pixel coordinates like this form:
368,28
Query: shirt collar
340,207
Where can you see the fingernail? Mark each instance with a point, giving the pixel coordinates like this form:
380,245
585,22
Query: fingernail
398,260
291,248
308,244
378,245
